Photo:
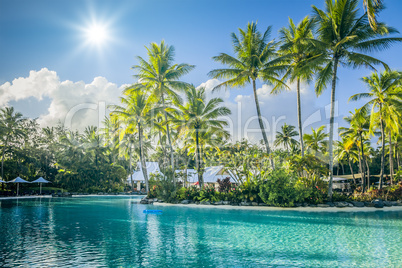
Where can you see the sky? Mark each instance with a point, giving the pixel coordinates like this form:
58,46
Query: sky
67,60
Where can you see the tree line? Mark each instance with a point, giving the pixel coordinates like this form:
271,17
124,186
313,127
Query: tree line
189,130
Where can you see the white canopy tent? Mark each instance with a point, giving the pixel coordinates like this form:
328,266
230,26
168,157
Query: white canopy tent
138,176
340,183
212,174
40,181
18,180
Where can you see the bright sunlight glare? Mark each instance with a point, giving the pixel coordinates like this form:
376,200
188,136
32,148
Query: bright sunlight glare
97,34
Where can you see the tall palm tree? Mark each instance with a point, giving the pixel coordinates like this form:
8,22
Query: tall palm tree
302,62
343,38
198,119
255,58
11,127
159,76
135,115
285,137
385,99
316,141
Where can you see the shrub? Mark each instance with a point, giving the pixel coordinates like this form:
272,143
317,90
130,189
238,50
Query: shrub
207,193
163,189
224,185
279,189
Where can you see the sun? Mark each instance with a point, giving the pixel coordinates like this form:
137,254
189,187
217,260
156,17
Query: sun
97,34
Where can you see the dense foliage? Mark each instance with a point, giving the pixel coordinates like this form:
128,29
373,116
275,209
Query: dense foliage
163,119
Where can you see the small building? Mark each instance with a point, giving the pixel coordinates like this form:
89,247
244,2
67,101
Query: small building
138,176
212,174
340,183
191,178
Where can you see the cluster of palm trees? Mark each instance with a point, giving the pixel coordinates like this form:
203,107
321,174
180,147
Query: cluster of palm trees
161,108
153,109
316,47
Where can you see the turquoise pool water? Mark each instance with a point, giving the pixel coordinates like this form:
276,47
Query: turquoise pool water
114,232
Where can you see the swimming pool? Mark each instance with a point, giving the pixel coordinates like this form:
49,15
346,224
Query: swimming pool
114,232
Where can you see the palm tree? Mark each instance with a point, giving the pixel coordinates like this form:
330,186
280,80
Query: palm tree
135,115
372,8
356,134
285,137
302,60
385,99
159,76
199,120
316,141
93,147
343,37
347,150
255,58
11,126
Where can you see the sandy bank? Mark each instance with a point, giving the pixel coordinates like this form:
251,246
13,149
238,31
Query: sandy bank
305,209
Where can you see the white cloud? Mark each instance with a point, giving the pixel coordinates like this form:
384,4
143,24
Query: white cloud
78,104
74,104
37,84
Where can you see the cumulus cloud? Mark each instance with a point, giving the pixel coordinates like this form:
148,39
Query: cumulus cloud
74,104
79,104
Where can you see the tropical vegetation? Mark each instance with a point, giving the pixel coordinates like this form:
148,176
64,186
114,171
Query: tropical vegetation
163,119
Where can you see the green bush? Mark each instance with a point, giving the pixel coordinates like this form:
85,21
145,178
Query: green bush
280,189
207,193
249,190
163,189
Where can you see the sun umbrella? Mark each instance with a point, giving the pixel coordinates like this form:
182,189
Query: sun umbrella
1,181
40,181
18,180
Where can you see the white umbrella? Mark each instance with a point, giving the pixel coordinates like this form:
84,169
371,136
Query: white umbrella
18,180
40,181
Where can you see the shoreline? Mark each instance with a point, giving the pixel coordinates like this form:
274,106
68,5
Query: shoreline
302,209
25,197
50,196
230,207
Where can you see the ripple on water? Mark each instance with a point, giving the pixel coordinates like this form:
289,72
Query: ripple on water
113,232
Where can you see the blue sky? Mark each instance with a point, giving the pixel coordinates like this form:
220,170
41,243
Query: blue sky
50,34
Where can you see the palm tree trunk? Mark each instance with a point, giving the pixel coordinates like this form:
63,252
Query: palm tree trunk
299,118
361,170
2,159
261,123
331,129
197,160
351,171
368,175
163,148
131,168
363,161
383,148
397,155
143,163
391,158
169,140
